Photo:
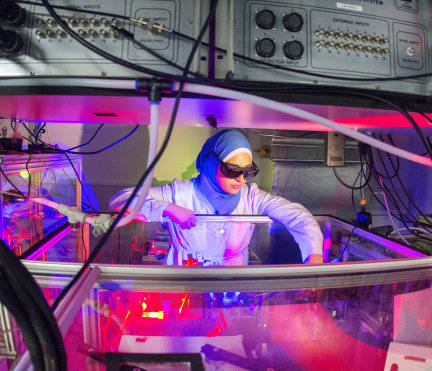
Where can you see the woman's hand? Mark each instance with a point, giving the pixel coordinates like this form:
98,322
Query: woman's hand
314,259
185,218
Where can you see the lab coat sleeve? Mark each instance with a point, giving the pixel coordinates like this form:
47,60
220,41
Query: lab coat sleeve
296,218
158,198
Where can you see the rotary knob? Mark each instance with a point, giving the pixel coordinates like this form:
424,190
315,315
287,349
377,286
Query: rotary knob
12,13
293,22
265,19
265,47
10,42
293,50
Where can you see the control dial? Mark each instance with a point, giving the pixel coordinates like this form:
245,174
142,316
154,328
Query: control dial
265,47
13,14
10,41
265,19
293,22
293,49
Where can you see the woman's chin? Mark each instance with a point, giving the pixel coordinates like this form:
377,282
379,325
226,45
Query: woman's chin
234,189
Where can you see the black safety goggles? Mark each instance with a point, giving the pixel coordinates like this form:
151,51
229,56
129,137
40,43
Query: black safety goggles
234,171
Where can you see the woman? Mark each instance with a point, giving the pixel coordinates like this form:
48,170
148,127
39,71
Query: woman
224,163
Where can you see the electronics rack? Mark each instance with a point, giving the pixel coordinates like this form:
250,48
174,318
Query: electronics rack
47,50
350,39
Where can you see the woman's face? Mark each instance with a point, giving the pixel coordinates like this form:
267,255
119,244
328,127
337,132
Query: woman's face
233,186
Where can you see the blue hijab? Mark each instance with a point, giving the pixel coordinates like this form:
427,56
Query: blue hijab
223,143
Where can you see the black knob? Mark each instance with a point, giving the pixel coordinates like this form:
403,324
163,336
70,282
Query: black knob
265,19
293,49
293,22
12,13
10,42
265,47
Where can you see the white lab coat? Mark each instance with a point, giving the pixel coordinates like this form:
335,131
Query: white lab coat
224,243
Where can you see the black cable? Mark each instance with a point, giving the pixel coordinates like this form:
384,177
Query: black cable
424,115
9,298
373,170
40,131
13,185
73,167
36,320
396,106
410,107
79,180
35,130
35,134
423,138
360,182
90,140
361,176
383,186
348,240
390,197
34,304
129,36
29,176
380,202
236,55
29,131
106,55
395,194
104,148
404,188
14,129
70,150
353,199
370,165
80,153
389,179
403,218
396,170
353,187
105,237
83,243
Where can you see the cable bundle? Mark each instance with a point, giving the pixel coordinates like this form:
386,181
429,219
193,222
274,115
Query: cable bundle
23,298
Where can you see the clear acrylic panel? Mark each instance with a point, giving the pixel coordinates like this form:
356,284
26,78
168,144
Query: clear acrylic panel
267,242
338,328
26,223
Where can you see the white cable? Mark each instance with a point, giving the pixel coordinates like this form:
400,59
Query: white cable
45,202
385,201
416,228
127,84
154,129
100,223
282,107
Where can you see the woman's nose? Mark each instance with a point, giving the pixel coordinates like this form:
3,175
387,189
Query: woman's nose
240,178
